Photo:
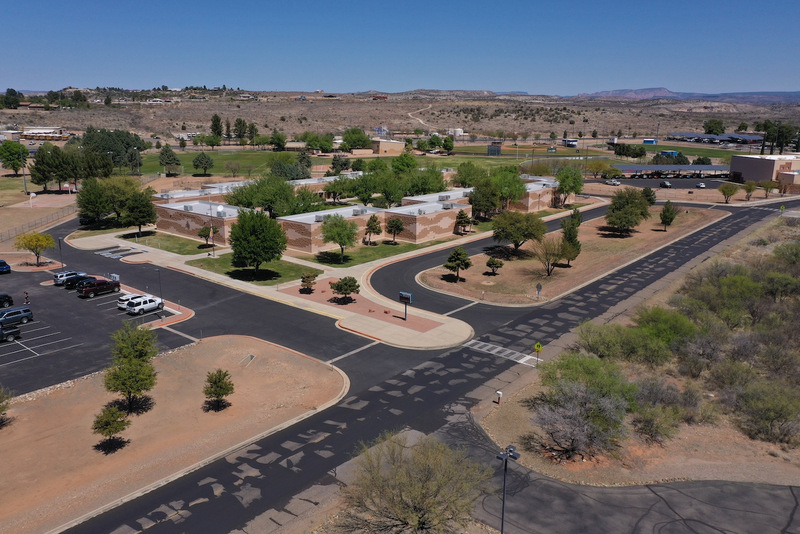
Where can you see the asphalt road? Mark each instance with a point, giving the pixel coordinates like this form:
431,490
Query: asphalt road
427,391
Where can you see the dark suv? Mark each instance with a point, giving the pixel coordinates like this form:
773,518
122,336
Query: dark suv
73,281
9,333
6,300
97,287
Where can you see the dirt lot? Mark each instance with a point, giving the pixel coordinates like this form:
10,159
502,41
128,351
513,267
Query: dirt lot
516,281
699,452
52,473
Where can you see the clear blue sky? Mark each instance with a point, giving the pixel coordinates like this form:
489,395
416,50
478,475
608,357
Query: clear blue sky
554,47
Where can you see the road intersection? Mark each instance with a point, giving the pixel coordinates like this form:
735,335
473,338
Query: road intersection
270,481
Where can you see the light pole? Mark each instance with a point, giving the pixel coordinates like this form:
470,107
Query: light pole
221,214
160,289
508,452
60,254
213,243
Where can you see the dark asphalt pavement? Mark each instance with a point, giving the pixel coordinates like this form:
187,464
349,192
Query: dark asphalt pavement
395,389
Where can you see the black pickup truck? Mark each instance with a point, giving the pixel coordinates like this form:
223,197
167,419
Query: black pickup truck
97,287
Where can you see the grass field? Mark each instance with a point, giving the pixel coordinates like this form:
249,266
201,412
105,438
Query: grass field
12,190
268,274
167,242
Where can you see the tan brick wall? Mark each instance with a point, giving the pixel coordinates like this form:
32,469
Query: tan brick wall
188,223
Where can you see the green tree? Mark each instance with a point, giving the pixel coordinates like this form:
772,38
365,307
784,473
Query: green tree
345,287
569,237
91,199
169,160
570,181
118,190
203,161
770,412
131,378
140,210
46,166
131,342
518,228
743,127
228,134
373,226
627,210
702,160
5,401
458,261
510,186
255,238
110,422
485,197
596,167
134,160
419,488
768,186
182,144
205,232
494,264
218,386
714,127
337,229
233,167
394,226
404,163
216,126
339,164
668,214
278,140
448,144
728,190
649,195
35,243
212,140
469,174
356,138
462,221
749,188
11,99
13,155
338,187
240,128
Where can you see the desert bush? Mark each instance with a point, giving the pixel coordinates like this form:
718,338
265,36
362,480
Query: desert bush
623,343
668,326
656,424
770,412
601,376
655,391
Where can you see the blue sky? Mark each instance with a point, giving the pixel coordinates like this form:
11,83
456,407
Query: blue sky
554,47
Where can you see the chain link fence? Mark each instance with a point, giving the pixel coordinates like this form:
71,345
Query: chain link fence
7,235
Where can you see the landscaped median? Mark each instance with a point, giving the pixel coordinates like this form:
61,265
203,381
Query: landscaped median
54,475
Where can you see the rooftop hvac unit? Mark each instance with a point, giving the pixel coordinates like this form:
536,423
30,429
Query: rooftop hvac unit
420,212
187,208
444,197
319,218
360,211
466,194
448,205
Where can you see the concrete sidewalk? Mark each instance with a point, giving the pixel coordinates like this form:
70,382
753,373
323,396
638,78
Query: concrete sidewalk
448,332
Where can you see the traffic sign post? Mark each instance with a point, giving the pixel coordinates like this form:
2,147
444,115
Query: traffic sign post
406,299
538,349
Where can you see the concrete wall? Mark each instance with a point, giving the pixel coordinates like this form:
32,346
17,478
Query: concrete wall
762,168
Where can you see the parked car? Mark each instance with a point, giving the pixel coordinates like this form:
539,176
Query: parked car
145,304
123,300
665,185
15,315
613,182
5,268
72,281
9,333
700,185
6,300
86,282
97,287
59,277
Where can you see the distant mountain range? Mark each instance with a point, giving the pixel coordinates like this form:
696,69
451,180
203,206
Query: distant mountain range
763,97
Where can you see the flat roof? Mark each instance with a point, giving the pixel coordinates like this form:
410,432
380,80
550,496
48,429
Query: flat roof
444,196
419,209
670,168
346,212
773,157
723,137
203,207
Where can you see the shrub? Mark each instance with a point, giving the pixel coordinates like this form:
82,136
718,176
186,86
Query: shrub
656,424
770,412
669,326
598,375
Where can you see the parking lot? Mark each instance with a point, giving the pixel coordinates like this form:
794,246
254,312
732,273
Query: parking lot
68,335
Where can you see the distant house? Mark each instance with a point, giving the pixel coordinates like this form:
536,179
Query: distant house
387,147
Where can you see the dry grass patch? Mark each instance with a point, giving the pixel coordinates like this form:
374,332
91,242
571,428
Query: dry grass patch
515,282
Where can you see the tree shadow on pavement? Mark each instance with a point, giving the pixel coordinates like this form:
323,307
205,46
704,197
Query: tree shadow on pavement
139,405
215,405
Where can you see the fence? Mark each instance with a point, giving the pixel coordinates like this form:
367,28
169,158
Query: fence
38,223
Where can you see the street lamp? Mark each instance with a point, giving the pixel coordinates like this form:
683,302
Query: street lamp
160,289
60,254
508,452
221,214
